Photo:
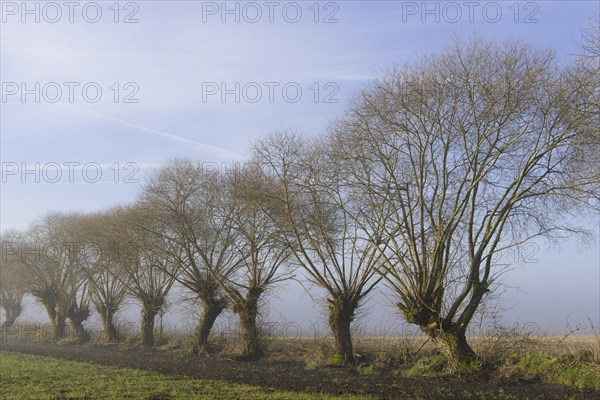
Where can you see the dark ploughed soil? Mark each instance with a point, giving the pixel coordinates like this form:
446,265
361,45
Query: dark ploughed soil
292,375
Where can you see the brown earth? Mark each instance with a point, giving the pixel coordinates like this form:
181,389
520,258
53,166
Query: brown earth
293,376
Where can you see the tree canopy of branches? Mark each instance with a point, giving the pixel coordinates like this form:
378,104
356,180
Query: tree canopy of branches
55,271
326,242
436,168
148,263
459,157
262,250
105,258
191,207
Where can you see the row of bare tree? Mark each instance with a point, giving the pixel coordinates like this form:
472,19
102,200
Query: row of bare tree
435,169
71,262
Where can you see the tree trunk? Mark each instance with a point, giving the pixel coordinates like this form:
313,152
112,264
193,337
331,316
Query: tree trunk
148,315
59,325
79,331
247,311
450,337
452,343
341,315
207,319
77,313
51,310
110,331
13,310
447,334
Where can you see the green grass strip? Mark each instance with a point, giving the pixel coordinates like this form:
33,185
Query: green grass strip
24,376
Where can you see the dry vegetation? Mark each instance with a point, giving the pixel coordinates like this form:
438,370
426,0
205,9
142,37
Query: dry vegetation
508,356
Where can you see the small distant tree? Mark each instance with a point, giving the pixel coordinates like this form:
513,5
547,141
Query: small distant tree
45,275
149,263
55,275
13,284
78,307
103,257
73,293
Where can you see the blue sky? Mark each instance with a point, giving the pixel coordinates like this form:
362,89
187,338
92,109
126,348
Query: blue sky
177,50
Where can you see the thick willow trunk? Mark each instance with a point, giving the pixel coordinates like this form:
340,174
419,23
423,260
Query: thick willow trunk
247,310
50,310
447,334
77,314
110,331
58,325
454,346
341,315
148,316
79,332
450,337
209,315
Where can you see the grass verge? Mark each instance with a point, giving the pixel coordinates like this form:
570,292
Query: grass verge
25,376
560,370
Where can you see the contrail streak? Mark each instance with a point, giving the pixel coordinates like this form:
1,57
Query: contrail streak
216,150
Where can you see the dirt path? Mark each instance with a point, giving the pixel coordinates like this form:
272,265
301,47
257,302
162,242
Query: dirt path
291,375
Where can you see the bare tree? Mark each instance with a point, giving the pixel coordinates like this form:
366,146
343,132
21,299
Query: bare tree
45,276
104,257
78,306
195,216
55,274
589,44
260,244
149,263
330,246
13,284
460,156
73,294
585,77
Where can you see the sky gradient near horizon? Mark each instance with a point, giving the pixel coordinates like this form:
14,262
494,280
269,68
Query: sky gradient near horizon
169,72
